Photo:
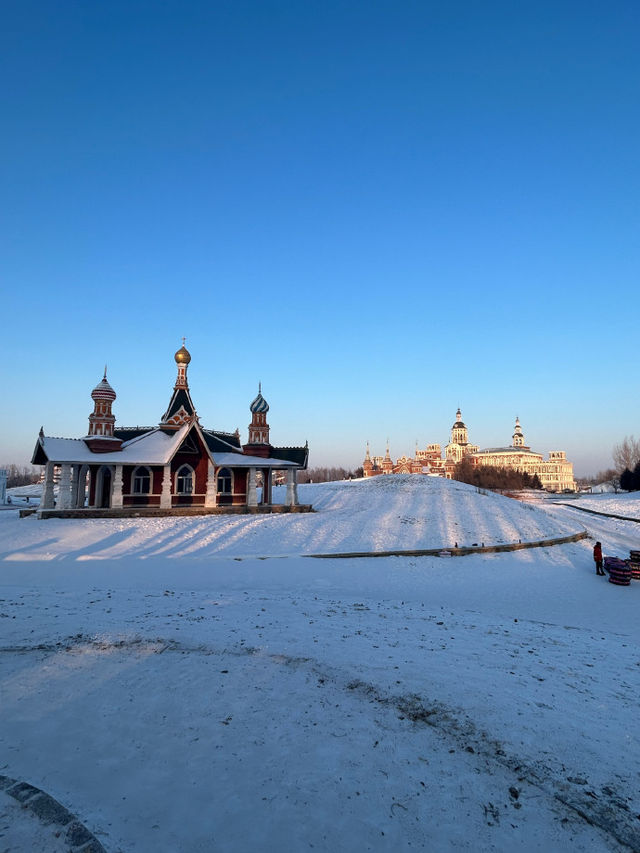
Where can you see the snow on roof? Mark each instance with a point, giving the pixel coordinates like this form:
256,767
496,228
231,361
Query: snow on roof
240,460
152,448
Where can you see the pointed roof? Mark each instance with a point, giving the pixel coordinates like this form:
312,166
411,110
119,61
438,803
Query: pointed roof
181,408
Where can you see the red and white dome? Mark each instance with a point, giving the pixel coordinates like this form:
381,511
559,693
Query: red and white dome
103,391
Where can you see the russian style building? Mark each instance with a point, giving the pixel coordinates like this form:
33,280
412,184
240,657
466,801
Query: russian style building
178,466
555,473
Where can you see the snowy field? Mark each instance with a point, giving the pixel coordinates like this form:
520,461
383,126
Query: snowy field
201,685
622,504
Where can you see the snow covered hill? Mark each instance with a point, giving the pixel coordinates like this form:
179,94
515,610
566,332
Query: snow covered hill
381,514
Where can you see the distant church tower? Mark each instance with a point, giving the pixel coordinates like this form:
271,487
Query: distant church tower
387,462
367,465
459,432
459,445
518,435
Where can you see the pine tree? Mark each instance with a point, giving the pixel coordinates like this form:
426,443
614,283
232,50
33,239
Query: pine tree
627,481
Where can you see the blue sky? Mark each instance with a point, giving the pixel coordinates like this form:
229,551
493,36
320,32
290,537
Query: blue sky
381,210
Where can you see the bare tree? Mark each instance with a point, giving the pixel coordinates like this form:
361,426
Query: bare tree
610,477
20,475
626,454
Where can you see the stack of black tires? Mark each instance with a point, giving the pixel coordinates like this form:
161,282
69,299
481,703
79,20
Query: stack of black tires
634,565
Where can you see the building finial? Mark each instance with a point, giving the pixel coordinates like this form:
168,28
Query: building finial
105,372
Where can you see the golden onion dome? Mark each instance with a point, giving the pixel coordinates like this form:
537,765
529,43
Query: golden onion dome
183,356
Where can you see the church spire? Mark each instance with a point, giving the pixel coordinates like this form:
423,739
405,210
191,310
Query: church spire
518,435
181,408
182,357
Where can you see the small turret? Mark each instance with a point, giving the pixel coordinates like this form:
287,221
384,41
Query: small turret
258,444
100,438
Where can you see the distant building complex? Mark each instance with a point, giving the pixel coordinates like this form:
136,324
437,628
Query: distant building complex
555,474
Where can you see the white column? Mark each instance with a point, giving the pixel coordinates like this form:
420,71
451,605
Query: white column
48,501
252,491
292,487
210,496
64,489
165,497
116,492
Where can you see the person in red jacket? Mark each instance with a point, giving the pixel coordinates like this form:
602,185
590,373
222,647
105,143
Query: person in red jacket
597,556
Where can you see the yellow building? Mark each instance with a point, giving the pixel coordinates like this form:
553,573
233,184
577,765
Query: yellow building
555,474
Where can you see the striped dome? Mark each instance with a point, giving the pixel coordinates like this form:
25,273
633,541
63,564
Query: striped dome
103,391
259,405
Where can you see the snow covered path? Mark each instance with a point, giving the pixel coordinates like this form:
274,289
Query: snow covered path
185,704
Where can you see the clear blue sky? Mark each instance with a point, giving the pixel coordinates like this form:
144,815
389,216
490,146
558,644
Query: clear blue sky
381,210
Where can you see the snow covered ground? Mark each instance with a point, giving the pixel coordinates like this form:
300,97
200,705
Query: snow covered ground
381,514
179,692
622,504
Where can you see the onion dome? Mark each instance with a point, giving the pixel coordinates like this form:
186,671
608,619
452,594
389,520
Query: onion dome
183,356
103,391
259,405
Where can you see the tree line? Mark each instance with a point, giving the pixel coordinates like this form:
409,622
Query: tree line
493,477
325,475
626,474
21,475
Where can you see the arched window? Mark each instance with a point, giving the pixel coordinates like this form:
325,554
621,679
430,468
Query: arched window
224,481
141,481
184,480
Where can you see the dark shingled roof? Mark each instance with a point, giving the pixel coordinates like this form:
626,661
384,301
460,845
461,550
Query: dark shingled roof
181,397
127,433
221,442
299,455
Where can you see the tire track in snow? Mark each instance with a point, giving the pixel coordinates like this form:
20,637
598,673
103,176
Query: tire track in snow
607,811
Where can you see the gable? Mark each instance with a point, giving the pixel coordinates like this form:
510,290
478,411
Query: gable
180,409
